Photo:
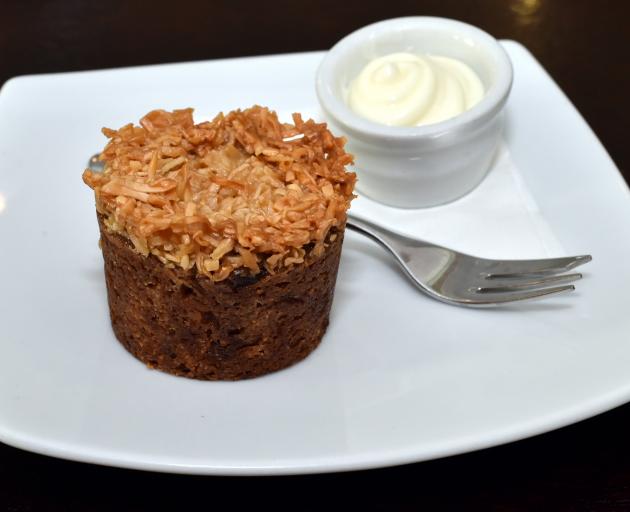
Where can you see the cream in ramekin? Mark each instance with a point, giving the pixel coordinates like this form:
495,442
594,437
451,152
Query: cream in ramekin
418,166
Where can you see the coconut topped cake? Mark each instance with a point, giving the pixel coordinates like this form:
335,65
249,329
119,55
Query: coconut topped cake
221,240
243,191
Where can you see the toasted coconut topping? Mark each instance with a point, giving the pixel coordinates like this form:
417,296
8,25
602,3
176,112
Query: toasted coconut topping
241,191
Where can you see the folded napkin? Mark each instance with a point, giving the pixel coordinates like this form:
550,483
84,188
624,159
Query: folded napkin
498,219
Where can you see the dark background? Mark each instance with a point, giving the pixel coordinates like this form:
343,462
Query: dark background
585,46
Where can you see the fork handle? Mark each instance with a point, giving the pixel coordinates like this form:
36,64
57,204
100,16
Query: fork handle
422,262
370,230
388,239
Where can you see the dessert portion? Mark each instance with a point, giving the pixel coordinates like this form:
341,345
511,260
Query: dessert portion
222,239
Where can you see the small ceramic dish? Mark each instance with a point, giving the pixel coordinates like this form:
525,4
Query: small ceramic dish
418,166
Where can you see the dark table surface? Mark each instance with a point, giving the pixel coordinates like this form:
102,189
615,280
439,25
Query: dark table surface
584,44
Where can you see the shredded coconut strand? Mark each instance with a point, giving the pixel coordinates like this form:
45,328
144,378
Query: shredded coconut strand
241,191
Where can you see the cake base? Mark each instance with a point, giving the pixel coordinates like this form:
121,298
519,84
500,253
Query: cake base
186,324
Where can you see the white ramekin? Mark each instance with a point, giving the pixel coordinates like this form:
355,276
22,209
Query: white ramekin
418,166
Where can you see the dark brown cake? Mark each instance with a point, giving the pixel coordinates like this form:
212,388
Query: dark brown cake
221,240
244,326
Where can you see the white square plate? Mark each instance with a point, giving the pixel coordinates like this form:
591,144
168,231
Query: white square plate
398,378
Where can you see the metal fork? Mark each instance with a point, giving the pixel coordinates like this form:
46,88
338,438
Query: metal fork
457,278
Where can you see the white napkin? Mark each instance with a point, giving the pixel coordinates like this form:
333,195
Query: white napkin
498,219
